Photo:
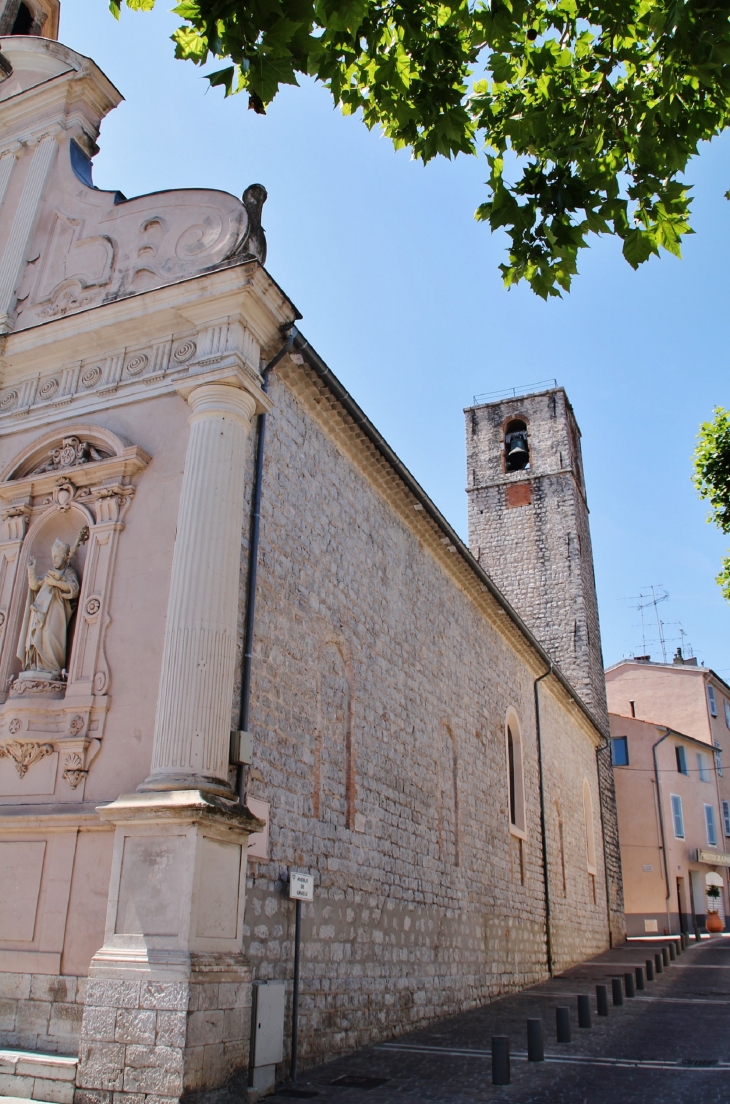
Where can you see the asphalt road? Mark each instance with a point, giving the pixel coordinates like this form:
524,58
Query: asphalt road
669,1044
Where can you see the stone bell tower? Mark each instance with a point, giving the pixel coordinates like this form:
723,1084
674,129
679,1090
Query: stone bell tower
528,527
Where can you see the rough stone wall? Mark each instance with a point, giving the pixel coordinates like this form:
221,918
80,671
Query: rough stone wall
379,699
41,1012
539,553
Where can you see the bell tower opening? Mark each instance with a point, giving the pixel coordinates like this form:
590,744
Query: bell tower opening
23,24
516,446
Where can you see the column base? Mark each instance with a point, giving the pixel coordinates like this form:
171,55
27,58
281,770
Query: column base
168,1001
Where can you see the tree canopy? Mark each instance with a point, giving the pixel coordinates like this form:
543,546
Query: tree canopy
588,110
712,478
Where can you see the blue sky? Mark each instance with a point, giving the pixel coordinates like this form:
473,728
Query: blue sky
400,293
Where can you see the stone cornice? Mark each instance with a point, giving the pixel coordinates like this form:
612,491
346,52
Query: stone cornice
143,346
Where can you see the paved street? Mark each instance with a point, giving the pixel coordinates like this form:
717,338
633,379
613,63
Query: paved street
670,1043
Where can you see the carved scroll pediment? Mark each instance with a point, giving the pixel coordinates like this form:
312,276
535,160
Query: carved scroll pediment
69,454
84,455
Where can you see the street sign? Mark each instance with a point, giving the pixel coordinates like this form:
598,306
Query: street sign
301,886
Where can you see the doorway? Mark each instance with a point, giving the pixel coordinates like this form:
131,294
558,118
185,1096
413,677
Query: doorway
683,925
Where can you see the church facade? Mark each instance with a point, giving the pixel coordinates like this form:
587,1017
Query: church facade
229,653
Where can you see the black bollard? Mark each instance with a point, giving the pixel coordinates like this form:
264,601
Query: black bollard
617,990
500,1060
535,1044
679,946
562,1023
665,956
672,952
639,971
697,934
658,968
602,1000
584,1011
650,969
629,985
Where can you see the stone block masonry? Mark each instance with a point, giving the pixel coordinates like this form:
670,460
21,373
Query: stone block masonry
379,702
146,1041
41,1012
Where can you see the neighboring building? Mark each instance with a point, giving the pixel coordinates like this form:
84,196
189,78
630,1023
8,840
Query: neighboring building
397,753
528,527
646,700
670,826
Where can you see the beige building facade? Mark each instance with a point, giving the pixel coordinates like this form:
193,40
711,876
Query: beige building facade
406,740
679,808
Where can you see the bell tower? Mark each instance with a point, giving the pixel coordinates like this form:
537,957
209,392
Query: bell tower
528,527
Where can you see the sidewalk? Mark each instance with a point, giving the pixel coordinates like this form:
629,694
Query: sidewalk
670,1043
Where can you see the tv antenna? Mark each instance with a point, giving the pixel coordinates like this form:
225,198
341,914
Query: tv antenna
651,596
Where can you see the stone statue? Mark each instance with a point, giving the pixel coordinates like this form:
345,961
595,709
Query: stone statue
48,609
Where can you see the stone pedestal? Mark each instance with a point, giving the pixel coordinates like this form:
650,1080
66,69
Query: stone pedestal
169,994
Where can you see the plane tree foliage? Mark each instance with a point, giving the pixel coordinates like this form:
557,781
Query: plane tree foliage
712,478
588,111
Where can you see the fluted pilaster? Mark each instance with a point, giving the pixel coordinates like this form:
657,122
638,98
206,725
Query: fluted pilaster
192,728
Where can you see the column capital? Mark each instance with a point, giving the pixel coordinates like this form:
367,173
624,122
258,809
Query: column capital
229,389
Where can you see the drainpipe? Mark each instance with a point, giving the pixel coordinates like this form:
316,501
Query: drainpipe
253,558
543,829
667,732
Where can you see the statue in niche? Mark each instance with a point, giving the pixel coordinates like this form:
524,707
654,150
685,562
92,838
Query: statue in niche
48,610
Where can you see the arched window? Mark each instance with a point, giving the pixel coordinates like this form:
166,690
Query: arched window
590,831
516,446
515,780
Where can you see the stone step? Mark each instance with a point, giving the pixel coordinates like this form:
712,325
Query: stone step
44,1078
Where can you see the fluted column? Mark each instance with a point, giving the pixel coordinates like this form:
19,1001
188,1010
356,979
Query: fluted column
192,728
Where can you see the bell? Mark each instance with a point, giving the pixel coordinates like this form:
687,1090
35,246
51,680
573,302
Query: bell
517,451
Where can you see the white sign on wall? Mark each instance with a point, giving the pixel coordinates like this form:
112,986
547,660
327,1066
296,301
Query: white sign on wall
301,886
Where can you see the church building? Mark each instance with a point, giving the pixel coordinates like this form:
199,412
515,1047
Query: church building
238,640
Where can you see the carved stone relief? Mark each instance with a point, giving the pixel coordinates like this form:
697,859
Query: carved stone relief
57,551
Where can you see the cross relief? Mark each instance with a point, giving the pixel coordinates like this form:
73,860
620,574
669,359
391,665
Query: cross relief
62,508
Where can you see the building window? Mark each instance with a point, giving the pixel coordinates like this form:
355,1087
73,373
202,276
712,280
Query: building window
677,817
681,759
702,771
726,703
515,777
620,751
590,831
718,760
726,817
710,824
711,699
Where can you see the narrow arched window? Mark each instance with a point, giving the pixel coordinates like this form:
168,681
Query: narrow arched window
590,831
515,782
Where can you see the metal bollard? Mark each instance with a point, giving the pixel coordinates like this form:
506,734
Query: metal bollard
562,1023
658,968
639,971
650,969
697,934
602,1000
665,956
679,946
617,990
535,1043
500,1060
584,1011
672,952
629,985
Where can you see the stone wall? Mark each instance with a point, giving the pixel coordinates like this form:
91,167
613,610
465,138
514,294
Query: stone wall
41,1012
379,700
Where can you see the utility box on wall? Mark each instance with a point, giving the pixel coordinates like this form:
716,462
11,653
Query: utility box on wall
267,1033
